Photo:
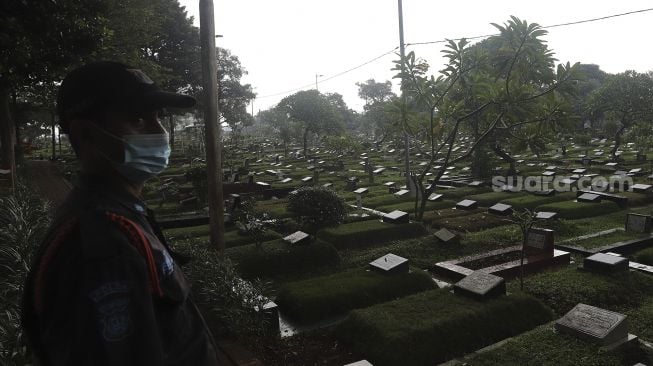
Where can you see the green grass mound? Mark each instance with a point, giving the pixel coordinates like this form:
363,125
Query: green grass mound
645,256
489,199
278,257
470,223
637,199
460,192
530,201
323,297
371,232
563,289
603,240
435,326
232,238
579,210
410,206
640,320
543,347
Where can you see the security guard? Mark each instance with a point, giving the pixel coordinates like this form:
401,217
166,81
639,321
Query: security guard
105,288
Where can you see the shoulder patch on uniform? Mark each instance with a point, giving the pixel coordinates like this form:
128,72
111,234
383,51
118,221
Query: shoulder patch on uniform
115,319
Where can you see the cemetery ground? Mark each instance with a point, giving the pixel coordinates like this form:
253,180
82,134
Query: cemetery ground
319,301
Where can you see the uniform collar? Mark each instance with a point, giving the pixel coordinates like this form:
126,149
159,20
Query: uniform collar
113,192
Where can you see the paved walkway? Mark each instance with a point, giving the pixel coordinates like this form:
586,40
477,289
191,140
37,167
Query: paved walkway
44,177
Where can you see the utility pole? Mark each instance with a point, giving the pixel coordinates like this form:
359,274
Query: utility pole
402,52
213,136
317,76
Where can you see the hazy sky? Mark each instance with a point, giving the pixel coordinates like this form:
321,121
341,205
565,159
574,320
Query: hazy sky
284,43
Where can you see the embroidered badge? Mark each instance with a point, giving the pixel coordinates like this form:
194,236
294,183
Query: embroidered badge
115,320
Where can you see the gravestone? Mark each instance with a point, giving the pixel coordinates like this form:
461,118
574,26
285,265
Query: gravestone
360,363
445,236
594,324
433,197
588,197
500,209
545,215
361,191
545,193
263,184
352,183
327,185
605,263
307,180
286,180
476,183
635,171
480,286
641,188
539,242
466,205
298,237
396,217
548,173
378,171
638,223
390,264
271,314
401,192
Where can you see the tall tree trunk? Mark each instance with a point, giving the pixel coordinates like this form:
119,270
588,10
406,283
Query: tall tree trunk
617,141
54,137
305,142
171,127
7,132
506,157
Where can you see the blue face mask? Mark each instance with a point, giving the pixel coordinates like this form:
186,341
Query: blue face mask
145,156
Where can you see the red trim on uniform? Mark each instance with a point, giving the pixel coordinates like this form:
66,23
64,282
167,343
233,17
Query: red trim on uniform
137,237
50,251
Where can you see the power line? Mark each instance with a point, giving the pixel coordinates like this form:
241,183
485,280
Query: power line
545,27
446,40
332,76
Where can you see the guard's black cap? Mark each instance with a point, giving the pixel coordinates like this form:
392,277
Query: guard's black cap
91,88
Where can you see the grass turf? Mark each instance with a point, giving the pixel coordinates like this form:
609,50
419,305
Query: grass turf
435,326
323,297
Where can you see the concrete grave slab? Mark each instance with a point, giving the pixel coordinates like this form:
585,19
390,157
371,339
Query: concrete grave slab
605,263
594,324
390,264
480,286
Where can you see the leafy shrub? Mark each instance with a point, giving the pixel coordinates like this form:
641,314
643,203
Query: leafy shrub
317,207
579,210
228,303
370,232
323,297
232,238
278,257
435,326
24,218
196,174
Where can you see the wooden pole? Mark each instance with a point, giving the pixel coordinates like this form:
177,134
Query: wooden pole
212,128
402,53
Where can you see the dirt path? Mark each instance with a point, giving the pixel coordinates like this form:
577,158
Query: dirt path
43,176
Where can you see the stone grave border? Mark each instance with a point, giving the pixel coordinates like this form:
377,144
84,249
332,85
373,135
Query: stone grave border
456,270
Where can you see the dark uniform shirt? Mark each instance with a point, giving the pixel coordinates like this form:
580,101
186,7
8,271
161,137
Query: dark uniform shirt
105,290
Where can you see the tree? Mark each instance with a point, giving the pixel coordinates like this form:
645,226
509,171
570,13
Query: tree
233,96
348,116
54,36
312,112
625,98
490,102
373,92
281,125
